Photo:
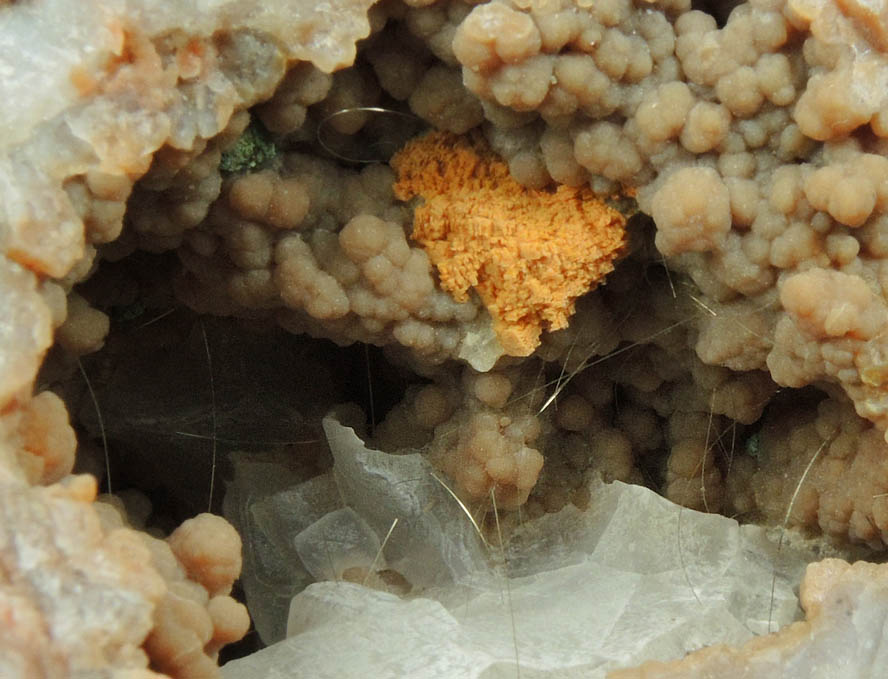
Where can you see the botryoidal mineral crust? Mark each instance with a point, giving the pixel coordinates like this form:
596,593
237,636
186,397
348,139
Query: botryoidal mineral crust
91,91
758,148
99,87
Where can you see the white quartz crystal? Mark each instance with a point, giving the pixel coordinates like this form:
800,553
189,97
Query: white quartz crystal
574,594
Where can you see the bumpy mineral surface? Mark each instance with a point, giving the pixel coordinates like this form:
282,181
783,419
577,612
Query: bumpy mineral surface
615,239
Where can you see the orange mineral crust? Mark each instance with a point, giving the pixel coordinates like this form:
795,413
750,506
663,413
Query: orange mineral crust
529,253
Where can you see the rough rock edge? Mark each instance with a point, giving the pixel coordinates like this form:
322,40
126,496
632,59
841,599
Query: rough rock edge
843,634
111,101
101,85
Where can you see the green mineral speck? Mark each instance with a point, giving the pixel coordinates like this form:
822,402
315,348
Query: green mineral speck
754,445
252,149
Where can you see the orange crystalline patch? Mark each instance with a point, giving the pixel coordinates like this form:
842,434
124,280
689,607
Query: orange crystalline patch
528,253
